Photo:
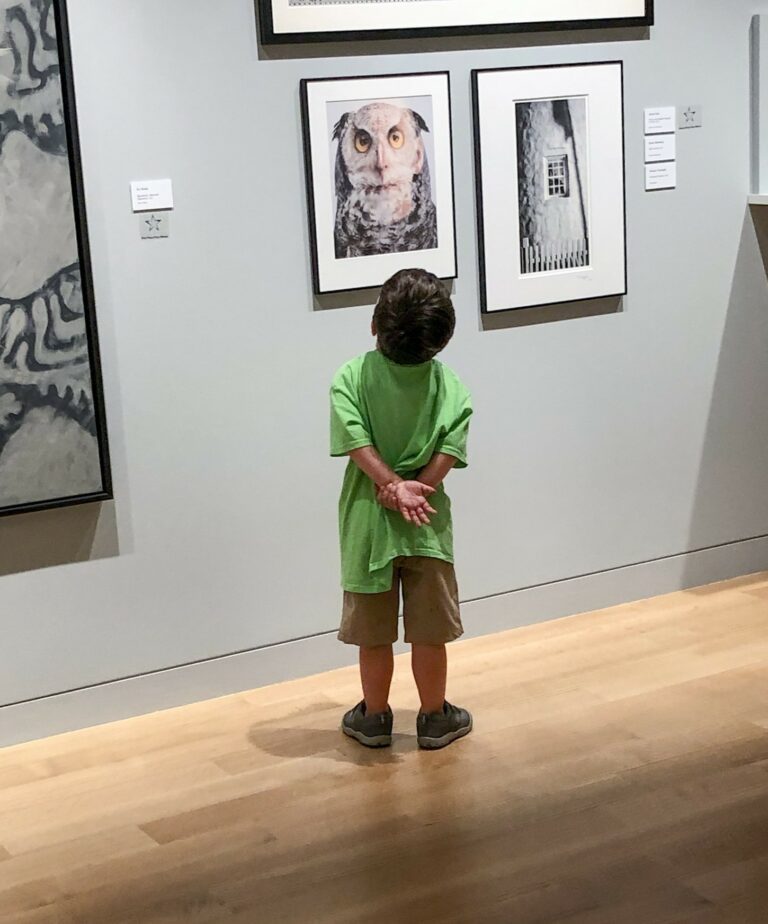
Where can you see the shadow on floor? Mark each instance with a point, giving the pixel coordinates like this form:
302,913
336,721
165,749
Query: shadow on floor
293,742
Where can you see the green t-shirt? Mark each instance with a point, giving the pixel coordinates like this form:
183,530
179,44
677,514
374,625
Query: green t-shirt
408,413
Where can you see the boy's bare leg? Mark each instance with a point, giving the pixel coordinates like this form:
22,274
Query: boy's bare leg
430,669
376,666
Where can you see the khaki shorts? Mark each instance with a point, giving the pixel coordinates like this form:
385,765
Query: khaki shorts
430,607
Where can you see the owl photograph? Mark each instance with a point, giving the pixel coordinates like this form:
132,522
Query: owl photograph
379,172
382,182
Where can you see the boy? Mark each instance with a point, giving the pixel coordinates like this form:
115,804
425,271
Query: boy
402,417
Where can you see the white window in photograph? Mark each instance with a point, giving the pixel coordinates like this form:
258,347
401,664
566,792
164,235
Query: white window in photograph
558,185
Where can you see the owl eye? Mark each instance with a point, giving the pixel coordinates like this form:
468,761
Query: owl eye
396,138
362,142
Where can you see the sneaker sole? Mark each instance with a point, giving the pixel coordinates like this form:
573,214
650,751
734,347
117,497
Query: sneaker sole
434,744
377,741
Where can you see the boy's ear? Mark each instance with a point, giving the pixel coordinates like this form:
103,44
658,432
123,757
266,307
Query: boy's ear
374,332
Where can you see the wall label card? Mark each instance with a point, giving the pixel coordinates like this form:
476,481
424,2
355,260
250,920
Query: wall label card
148,195
660,121
660,148
660,176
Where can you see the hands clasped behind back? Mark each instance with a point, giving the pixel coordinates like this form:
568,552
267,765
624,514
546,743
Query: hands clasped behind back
410,498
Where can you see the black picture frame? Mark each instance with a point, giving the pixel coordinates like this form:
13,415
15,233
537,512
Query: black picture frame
270,37
69,106
309,174
479,188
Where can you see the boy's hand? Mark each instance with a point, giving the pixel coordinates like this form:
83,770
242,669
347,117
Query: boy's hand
410,498
386,496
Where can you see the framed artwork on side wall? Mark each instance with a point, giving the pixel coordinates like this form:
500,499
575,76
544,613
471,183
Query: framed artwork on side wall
289,21
549,162
379,172
53,438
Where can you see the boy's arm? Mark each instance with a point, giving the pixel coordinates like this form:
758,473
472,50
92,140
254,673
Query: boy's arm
368,459
436,469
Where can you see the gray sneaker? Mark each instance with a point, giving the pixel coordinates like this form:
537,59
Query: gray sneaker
440,728
374,731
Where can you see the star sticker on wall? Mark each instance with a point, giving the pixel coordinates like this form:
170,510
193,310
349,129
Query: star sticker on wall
690,116
153,224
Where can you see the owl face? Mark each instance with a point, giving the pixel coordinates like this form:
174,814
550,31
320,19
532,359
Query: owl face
383,150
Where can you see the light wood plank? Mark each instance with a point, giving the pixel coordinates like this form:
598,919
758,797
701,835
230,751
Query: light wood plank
618,772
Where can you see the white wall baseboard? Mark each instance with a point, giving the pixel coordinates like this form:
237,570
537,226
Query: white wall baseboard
109,702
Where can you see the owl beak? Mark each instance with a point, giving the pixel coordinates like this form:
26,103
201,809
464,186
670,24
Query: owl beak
382,161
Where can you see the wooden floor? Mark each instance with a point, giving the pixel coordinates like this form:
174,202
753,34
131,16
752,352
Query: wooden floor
618,774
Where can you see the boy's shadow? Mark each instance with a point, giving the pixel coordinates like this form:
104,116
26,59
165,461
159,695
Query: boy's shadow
330,743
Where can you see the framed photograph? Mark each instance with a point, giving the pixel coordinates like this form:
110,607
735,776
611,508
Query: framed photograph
290,21
53,437
379,169
549,162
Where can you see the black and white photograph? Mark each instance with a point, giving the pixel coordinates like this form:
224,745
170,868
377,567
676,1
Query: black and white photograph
549,161
379,178
300,21
53,447
552,167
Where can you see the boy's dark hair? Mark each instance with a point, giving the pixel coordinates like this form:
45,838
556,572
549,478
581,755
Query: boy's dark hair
414,317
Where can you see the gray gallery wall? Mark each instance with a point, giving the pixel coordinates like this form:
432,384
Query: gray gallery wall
601,440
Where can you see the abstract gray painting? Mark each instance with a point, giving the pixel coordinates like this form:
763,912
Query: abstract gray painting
52,434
